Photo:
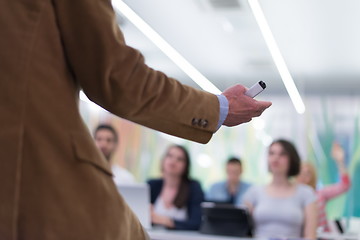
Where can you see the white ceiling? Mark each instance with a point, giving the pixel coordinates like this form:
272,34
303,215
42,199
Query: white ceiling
319,40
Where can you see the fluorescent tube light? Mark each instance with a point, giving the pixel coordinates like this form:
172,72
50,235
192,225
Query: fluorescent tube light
166,48
277,57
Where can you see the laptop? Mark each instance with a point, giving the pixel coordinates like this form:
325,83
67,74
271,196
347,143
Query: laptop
137,197
226,220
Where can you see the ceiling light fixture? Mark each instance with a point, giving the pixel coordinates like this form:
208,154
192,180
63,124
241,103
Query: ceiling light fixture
165,47
277,57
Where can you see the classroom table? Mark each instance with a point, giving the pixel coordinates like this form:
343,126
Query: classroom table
163,234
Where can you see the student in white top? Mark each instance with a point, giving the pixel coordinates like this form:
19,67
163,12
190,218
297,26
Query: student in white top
106,139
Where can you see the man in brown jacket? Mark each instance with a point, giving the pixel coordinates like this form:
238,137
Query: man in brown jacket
54,183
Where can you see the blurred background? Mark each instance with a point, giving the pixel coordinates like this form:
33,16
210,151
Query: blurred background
222,39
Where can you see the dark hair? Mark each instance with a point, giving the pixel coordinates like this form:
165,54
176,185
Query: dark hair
294,159
182,195
107,127
234,160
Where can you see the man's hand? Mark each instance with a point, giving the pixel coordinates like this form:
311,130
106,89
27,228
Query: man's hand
241,107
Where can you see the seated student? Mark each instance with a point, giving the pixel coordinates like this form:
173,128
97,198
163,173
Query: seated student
308,176
232,190
283,209
106,139
175,198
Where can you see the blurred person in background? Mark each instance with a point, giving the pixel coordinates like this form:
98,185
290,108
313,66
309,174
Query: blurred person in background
232,190
176,198
308,176
106,139
283,208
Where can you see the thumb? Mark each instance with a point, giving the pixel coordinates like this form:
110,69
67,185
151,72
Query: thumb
264,104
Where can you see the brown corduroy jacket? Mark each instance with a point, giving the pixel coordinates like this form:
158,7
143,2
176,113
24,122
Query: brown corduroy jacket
54,184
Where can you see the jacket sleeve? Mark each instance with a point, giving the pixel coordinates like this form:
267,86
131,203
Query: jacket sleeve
194,209
115,76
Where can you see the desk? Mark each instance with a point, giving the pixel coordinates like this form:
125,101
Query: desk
336,236
162,234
